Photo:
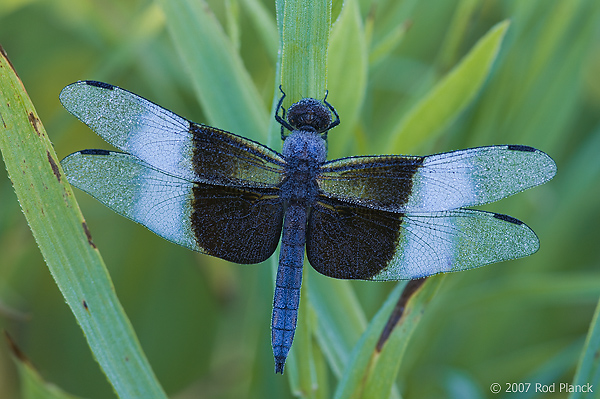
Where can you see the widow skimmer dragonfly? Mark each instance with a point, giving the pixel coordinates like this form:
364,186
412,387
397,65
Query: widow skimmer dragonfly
378,218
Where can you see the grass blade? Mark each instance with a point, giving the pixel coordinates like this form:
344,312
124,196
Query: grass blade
33,385
347,62
264,23
451,95
306,26
456,32
226,92
341,320
372,371
588,370
66,243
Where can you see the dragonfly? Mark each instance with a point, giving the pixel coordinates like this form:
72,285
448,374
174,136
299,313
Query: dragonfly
379,218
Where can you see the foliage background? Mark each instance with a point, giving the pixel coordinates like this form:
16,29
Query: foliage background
204,323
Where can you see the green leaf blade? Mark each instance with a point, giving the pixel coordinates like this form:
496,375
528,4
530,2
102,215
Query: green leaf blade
66,243
588,369
223,85
371,372
347,62
451,95
341,320
305,39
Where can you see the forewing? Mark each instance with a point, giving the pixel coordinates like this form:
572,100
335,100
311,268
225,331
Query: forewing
169,142
352,242
239,225
437,182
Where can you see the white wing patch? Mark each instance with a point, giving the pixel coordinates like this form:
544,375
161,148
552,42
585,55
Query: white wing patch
477,176
162,203
442,185
157,139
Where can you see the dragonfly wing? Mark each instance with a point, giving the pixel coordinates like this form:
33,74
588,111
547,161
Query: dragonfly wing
169,142
353,242
241,225
437,182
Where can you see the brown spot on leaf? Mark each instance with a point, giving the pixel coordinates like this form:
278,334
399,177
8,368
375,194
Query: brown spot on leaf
54,166
88,235
409,291
3,123
85,305
34,122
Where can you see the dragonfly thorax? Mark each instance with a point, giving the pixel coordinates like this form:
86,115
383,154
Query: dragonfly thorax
304,152
305,145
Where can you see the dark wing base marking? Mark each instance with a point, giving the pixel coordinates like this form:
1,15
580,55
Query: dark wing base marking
350,242
385,182
222,158
241,226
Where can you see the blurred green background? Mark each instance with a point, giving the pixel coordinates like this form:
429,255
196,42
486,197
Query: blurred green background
204,323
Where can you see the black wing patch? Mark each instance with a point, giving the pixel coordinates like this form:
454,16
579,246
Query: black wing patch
238,225
351,242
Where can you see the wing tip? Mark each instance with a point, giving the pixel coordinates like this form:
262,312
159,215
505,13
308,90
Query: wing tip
545,161
525,239
529,236
69,92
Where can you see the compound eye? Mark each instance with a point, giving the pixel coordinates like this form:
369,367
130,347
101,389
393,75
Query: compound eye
309,113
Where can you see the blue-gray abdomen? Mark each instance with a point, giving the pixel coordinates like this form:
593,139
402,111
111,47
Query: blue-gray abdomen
288,282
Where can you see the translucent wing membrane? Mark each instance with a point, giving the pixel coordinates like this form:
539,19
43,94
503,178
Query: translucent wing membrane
437,182
169,142
240,225
133,189
351,242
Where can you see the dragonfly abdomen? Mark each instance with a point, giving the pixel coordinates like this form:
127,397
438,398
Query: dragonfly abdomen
288,282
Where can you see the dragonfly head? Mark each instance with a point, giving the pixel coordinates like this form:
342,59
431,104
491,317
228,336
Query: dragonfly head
309,114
